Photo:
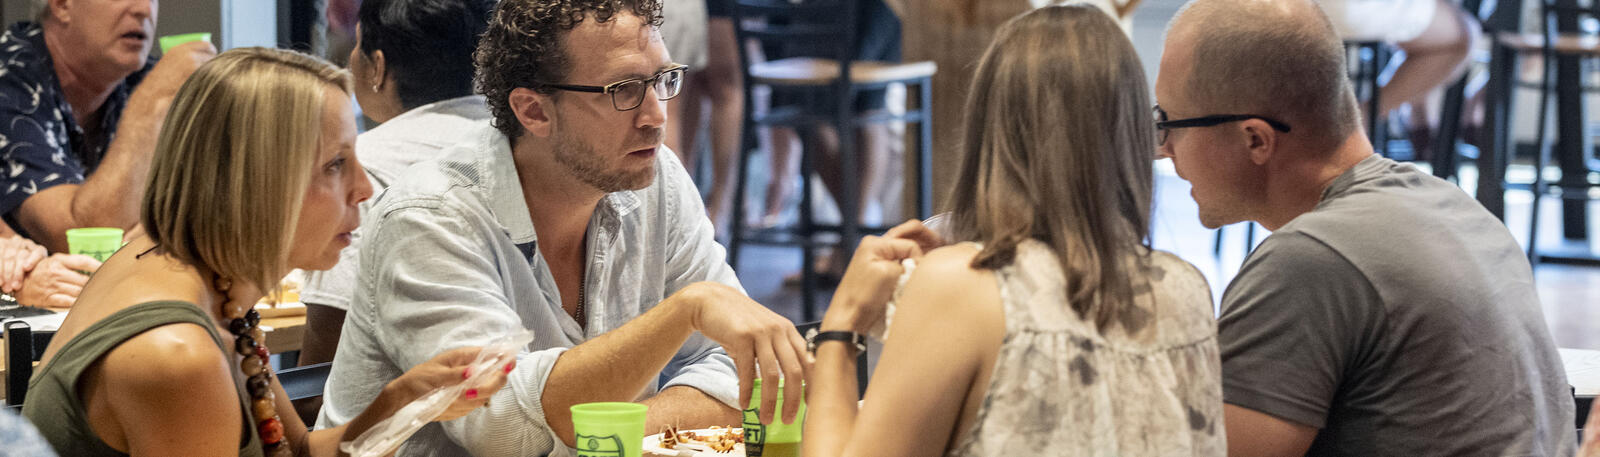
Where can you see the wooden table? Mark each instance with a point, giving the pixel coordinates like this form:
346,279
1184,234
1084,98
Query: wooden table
285,334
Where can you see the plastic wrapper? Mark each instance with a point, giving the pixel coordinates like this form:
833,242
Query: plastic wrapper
386,436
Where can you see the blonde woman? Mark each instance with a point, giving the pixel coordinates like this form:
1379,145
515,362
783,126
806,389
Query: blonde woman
1052,329
254,174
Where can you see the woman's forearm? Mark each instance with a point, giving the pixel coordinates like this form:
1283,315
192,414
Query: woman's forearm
831,401
325,442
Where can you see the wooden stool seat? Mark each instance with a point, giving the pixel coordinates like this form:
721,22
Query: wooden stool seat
1570,44
813,71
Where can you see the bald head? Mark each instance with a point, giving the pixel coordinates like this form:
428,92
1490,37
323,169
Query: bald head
1276,58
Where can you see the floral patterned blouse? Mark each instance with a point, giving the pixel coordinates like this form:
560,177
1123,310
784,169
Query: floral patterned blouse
1148,385
41,143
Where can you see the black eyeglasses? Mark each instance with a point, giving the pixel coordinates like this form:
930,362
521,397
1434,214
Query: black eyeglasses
629,93
1164,126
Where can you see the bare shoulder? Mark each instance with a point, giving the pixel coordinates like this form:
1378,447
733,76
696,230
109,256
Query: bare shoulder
949,267
172,358
163,392
944,280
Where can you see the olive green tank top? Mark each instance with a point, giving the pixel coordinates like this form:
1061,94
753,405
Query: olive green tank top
53,403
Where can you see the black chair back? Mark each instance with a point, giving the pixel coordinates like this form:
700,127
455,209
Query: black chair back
23,347
305,382
819,28
1582,404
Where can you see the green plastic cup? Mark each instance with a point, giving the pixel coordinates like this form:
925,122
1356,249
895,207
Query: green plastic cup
97,242
170,41
776,439
612,429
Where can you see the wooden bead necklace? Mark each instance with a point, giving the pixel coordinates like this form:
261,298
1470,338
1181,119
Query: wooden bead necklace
250,342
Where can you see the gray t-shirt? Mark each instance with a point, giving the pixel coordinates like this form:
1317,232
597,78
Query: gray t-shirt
1399,317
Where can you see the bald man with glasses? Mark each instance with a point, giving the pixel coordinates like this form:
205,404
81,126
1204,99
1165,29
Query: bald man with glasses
1388,313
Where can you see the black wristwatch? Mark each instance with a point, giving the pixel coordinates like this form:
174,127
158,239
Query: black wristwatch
857,340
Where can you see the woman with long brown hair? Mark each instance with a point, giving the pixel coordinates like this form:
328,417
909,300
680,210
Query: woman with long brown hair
254,174
1051,328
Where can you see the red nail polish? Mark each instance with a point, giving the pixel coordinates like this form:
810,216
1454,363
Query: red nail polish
472,393
509,366
466,373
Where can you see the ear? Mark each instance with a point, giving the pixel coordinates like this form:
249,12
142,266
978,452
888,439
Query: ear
534,111
379,70
60,10
1261,140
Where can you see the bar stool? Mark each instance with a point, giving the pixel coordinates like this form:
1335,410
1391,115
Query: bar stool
1553,43
1369,58
836,79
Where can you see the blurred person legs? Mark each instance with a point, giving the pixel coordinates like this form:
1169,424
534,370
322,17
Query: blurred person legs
718,84
880,40
1436,36
782,143
1433,59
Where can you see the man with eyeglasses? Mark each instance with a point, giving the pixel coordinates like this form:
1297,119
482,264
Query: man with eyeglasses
1388,313
563,216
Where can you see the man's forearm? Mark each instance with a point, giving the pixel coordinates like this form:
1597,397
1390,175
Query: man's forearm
616,366
688,408
111,196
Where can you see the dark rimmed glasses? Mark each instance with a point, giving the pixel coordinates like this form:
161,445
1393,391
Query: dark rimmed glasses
1164,126
628,94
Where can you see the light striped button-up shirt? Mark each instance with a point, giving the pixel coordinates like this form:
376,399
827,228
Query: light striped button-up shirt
451,259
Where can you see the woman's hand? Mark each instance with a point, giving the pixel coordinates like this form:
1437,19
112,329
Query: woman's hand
869,283
926,237
18,256
450,368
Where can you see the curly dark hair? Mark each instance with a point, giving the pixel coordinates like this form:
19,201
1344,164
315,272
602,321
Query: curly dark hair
522,47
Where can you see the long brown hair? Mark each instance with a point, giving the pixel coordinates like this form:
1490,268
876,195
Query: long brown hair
1058,143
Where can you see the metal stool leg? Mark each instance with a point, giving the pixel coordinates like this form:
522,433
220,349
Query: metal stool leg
925,150
1543,159
741,176
807,236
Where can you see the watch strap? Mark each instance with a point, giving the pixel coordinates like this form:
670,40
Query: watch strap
856,340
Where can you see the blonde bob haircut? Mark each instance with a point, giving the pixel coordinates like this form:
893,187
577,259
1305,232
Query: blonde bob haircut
234,159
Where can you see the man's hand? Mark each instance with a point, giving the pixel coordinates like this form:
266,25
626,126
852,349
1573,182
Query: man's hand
18,256
55,282
163,81
757,339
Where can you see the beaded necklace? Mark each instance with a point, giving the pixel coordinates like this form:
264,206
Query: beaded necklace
250,342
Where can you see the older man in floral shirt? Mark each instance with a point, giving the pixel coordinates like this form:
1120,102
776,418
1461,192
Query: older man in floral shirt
75,135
